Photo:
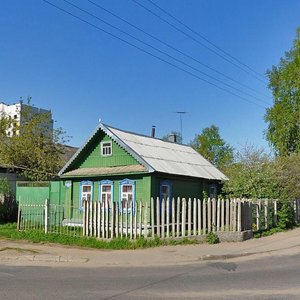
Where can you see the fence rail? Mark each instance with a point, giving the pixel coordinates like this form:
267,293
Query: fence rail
166,218
170,218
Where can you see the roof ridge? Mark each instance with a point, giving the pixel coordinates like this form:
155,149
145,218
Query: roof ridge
146,136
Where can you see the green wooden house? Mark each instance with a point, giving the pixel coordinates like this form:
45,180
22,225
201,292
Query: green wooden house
117,165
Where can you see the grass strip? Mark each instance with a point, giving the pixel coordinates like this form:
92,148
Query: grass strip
9,231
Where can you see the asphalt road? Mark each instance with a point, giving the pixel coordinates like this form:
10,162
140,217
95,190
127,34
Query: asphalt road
276,277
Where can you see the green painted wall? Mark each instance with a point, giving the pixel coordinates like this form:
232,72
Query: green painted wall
93,158
181,186
142,187
71,192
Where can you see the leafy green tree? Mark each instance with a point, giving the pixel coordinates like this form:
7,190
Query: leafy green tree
287,170
35,152
283,117
210,144
251,175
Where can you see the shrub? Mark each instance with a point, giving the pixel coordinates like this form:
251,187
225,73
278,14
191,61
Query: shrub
212,238
286,216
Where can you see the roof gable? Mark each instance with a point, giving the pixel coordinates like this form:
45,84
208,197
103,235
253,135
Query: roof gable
157,155
89,155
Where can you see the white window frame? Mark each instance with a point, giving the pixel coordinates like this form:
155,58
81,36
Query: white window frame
124,195
103,183
84,195
104,148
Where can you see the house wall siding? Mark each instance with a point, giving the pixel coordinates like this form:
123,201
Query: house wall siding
181,186
119,156
142,187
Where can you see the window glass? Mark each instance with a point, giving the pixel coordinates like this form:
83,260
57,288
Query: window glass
86,192
106,194
106,148
165,192
127,195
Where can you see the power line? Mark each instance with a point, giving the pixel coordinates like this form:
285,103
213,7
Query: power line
205,39
151,54
163,52
197,41
175,49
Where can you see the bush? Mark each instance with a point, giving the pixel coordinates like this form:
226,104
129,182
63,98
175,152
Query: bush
286,215
212,238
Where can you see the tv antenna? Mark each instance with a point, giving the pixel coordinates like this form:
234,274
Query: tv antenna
180,116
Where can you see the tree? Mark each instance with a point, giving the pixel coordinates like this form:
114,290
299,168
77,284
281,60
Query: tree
210,144
283,117
287,171
33,151
251,175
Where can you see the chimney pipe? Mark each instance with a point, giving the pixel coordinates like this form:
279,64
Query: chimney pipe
172,137
153,131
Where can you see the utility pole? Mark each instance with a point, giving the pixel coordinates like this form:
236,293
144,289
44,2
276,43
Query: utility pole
180,116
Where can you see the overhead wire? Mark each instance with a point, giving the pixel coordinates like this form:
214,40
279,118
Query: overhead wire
197,41
204,38
174,48
163,52
151,54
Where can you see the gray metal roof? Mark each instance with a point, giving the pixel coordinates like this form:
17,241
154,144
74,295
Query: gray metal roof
167,157
159,156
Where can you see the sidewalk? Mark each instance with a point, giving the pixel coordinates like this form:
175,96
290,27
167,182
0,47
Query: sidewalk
23,253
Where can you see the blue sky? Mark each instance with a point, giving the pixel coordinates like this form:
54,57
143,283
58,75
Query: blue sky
82,74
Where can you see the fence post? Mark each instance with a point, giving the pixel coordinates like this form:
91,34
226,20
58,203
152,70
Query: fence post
157,217
218,213
209,221
152,217
189,216
227,218
173,217
258,206
19,217
239,216
99,219
266,214
222,214
168,218
140,218
83,218
214,223
178,217
204,216
46,215
131,221
275,213
163,212
199,216
95,218
195,217
183,217
145,220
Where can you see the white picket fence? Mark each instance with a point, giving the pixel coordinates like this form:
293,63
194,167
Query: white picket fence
171,218
166,218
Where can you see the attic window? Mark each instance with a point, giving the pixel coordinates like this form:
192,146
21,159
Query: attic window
106,148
